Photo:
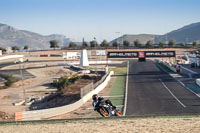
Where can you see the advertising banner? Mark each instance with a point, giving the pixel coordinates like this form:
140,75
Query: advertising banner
160,54
141,54
122,54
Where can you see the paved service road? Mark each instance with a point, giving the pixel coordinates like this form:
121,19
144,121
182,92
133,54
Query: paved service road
154,92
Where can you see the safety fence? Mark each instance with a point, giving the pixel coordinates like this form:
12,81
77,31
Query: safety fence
47,113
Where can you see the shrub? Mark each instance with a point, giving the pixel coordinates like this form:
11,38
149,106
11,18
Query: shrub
74,78
10,79
64,81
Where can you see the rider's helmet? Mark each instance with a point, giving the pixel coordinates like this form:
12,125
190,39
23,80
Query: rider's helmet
95,97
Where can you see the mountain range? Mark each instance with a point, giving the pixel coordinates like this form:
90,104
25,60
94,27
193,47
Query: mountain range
186,34
10,36
143,38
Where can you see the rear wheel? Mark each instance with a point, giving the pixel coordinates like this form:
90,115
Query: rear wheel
103,112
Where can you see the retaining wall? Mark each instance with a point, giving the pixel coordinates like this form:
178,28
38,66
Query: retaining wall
11,56
46,113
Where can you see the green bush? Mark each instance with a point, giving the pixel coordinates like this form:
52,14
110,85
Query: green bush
10,79
64,81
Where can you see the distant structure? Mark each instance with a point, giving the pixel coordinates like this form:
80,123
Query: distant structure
9,50
84,58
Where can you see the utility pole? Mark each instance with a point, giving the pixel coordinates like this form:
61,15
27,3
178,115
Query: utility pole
21,65
118,44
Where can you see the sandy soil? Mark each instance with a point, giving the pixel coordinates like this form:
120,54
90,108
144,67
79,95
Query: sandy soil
160,125
86,110
35,87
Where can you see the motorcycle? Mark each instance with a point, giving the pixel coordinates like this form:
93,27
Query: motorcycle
107,110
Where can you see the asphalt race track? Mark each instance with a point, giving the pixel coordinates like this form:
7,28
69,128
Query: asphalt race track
154,92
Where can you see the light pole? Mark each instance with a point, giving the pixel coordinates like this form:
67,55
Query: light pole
21,65
118,45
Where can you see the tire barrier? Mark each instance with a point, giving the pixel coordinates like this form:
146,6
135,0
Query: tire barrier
47,113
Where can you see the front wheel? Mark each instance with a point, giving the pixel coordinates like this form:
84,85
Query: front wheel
118,113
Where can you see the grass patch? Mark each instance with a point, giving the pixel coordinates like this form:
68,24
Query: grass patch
165,68
118,87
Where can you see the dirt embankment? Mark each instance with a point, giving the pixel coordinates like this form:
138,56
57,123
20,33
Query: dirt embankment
145,125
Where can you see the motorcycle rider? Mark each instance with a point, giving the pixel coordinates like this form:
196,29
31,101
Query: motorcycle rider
96,102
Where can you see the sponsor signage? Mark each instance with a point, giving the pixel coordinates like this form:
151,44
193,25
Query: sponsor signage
122,54
141,54
160,54
101,52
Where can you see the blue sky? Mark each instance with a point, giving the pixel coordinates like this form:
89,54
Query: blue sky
99,18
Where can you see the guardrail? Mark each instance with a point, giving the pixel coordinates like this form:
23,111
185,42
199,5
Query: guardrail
47,113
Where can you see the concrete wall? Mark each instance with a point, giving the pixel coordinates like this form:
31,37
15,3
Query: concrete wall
169,66
198,82
11,56
46,113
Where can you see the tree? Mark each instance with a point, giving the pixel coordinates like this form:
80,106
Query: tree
84,44
115,44
72,45
161,44
26,47
14,48
195,44
182,44
10,79
3,49
137,43
93,43
54,44
149,44
126,43
172,43
104,43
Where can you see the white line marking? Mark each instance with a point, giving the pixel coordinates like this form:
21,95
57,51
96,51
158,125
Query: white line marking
188,69
181,83
126,95
187,87
172,93
114,96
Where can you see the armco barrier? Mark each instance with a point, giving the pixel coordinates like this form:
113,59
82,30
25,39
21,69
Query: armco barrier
198,82
47,113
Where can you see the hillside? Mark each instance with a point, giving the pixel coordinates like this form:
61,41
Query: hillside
131,38
9,36
186,34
